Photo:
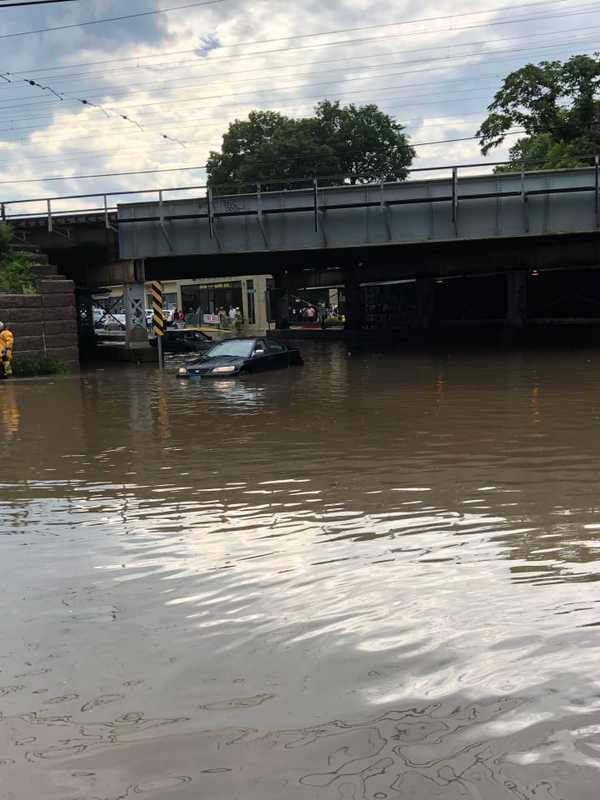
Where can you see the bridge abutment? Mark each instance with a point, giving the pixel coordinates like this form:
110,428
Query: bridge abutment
516,298
425,302
136,333
354,302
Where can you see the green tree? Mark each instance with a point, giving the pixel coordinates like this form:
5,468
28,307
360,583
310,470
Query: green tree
272,149
557,104
16,276
366,142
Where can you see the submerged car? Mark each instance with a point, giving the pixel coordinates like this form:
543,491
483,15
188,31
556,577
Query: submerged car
185,340
236,356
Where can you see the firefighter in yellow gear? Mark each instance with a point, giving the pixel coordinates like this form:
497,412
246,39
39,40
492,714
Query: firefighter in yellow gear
7,343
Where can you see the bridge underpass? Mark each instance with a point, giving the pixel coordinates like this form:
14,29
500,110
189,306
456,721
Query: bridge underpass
470,248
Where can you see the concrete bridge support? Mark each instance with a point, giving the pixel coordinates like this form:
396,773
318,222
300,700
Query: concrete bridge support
282,310
516,304
425,302
135,315
354,301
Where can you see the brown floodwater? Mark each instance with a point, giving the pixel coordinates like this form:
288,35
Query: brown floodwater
372,577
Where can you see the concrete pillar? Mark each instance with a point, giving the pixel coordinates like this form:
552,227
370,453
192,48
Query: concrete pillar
280,301
516,298
135,314
354,304
282,310
425,302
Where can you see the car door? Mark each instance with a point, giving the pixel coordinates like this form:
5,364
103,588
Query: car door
278,354
261,358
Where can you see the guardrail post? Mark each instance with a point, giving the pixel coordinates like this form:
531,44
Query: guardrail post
259,215
2,212
597,188
106,220
316,203
209,208
455,199
385,210
524,201
49,205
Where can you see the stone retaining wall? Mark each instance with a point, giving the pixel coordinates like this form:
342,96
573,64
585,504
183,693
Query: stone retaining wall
44,324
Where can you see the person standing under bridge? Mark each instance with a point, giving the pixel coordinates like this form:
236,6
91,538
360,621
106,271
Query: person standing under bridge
7,343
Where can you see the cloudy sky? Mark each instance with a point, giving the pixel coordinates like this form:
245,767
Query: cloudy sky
187,72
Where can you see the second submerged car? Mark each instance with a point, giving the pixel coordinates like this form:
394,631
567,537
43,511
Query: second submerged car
235,356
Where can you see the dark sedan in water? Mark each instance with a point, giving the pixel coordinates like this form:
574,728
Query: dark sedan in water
236,356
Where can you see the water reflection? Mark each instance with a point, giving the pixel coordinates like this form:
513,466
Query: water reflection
368,578
10,417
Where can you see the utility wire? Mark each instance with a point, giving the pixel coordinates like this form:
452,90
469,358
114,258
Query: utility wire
299,106
305,102
202,167
122,18
165,83
237,44
85,102
33,3
429,68
449,123
287,50
4,106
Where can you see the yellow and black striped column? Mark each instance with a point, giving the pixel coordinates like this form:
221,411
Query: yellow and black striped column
157,308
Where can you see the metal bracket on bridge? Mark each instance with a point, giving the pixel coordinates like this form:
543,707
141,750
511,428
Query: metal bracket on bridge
161,222
455,200
107,223
524,200
211,213
259,216
597,189
385,209
51,229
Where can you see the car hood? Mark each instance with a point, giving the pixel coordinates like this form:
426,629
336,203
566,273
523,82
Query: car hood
207,364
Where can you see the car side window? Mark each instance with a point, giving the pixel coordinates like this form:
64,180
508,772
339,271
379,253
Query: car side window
274,347
260,345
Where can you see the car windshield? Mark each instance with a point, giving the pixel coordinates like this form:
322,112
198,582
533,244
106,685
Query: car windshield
236,348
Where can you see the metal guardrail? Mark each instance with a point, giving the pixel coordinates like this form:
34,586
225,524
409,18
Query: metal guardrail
108,209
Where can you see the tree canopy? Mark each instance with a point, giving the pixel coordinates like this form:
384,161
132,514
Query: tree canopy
272,149
556,104
16,276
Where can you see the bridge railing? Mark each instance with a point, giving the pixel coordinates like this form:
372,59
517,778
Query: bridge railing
55,209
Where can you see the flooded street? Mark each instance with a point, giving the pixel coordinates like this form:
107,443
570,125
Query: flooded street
372,577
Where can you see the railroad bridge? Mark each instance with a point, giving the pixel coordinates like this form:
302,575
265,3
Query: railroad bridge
502,229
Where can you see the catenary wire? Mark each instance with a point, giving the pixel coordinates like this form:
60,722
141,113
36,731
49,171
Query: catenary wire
302,103
189,167
40,102
405,22
163,83
121,18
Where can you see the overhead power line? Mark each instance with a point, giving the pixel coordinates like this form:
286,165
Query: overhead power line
85,102
237,44
167,82
9,105
34,3
107,153
202,167
121,18
300,105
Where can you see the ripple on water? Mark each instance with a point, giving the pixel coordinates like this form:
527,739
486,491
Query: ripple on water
370,578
